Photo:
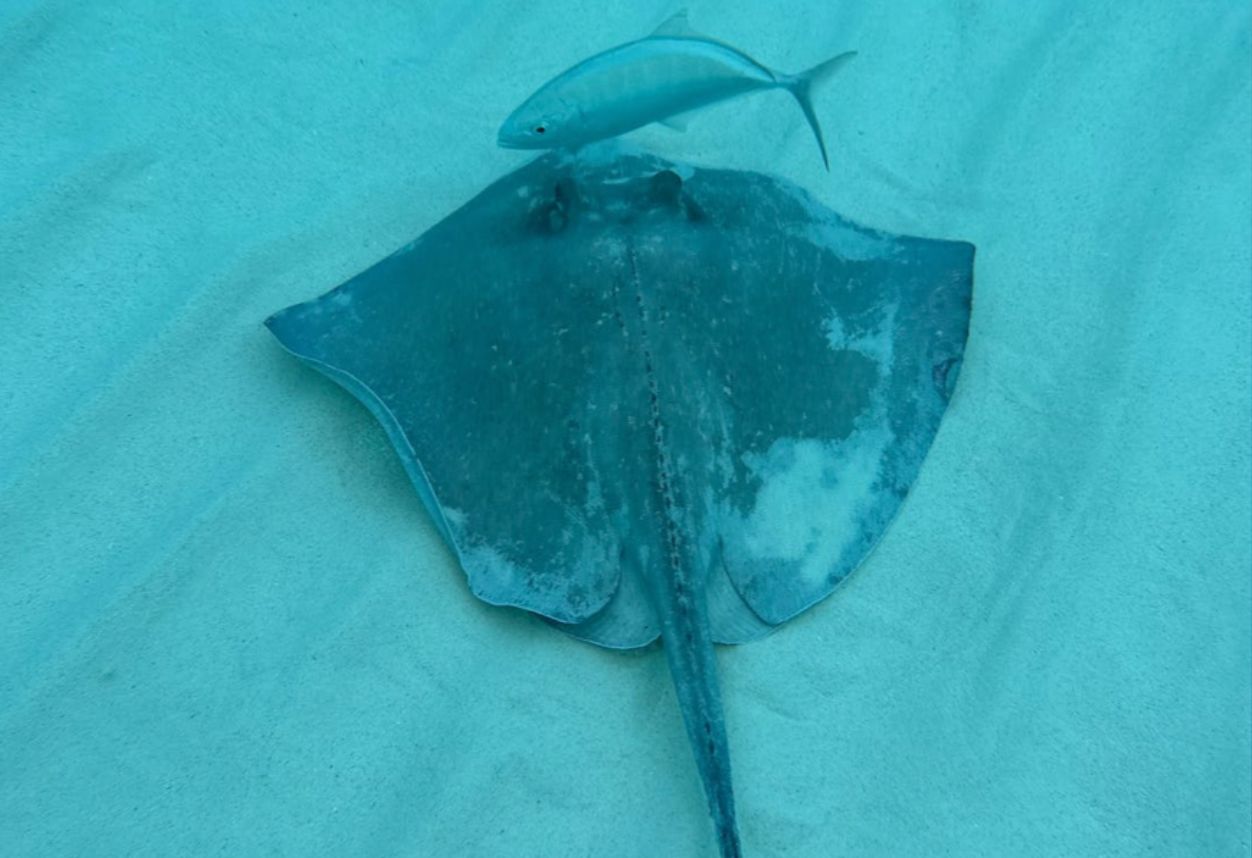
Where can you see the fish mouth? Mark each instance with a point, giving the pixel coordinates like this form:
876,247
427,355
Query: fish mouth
506,141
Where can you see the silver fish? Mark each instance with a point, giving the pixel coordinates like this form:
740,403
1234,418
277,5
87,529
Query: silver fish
660,78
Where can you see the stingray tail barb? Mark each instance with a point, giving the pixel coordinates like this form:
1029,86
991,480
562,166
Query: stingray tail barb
688,645
801,86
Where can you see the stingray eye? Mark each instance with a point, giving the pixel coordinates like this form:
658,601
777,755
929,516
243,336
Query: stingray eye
540,129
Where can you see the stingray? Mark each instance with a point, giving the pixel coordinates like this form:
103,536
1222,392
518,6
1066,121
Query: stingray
643,400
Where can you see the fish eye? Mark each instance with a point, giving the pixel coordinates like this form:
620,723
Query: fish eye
540,129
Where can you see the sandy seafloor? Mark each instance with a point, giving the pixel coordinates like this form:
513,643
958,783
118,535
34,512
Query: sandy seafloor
227,626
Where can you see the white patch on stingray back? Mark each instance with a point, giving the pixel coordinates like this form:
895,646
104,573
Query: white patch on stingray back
813,499
878,344
567,584
488,566
846,239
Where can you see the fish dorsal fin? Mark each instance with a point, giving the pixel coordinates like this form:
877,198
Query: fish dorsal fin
676,26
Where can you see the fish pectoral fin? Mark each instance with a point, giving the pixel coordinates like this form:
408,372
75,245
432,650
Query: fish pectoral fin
676,26
679,121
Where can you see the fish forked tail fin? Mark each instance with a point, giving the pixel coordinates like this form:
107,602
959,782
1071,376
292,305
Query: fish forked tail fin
801,86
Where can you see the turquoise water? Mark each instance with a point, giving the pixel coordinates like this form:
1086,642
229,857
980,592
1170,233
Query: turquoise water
227,626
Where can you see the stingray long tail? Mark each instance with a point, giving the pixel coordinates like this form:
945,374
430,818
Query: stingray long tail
692,664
